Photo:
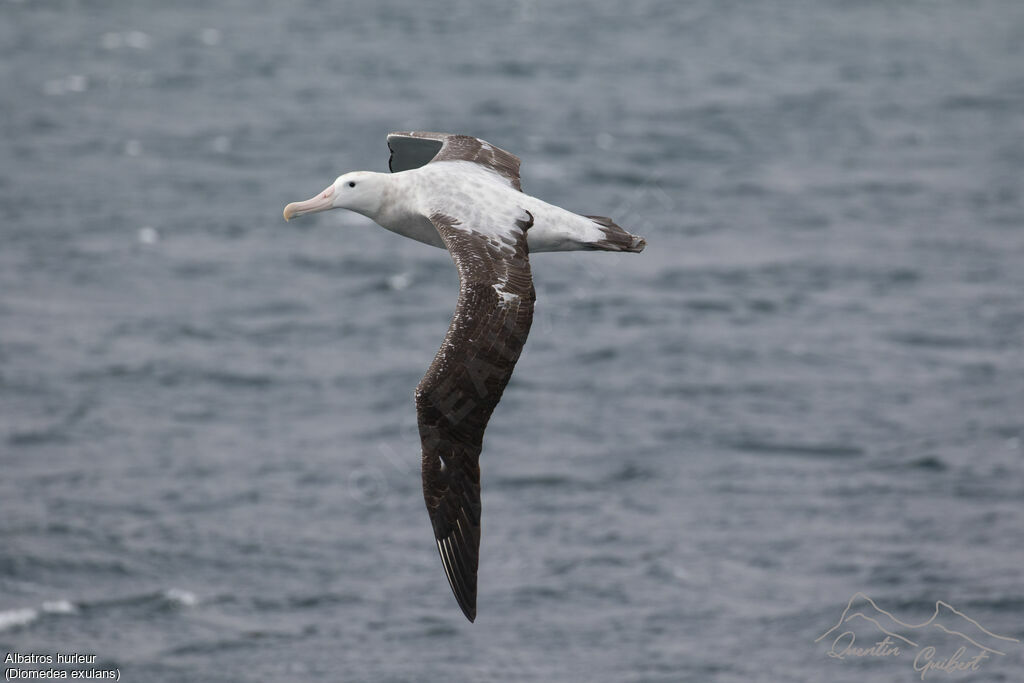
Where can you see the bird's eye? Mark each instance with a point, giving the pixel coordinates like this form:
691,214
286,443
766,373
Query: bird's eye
351,183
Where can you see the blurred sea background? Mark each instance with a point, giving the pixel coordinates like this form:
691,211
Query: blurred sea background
810,384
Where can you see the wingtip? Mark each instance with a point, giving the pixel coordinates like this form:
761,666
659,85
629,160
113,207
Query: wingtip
464,595
467,603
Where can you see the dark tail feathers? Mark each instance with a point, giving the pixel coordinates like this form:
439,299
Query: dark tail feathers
615,238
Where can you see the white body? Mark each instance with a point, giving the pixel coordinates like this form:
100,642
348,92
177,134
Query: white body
477,197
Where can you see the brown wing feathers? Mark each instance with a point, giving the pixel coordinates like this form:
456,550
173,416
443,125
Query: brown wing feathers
415,148
460,390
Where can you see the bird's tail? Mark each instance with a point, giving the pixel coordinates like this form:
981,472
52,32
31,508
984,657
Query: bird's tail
615,238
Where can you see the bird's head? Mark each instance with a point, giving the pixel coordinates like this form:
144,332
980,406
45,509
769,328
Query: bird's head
359,191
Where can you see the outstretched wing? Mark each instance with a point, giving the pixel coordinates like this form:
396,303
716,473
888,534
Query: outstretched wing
456,397
413,149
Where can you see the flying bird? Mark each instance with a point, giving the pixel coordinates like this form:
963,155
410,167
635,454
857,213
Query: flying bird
463,194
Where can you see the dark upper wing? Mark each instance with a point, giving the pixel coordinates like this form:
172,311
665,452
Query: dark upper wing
456,397
413,149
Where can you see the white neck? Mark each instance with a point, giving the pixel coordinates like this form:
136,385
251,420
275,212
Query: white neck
399,210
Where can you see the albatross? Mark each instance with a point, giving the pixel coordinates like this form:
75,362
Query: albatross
463,194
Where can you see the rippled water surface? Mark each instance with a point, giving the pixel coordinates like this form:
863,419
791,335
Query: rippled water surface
810,384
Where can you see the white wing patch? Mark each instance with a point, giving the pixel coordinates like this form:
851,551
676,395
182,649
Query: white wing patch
506,297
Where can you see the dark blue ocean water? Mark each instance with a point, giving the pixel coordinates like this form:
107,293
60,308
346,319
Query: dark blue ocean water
810,384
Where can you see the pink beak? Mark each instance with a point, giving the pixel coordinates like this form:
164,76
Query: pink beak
321,202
